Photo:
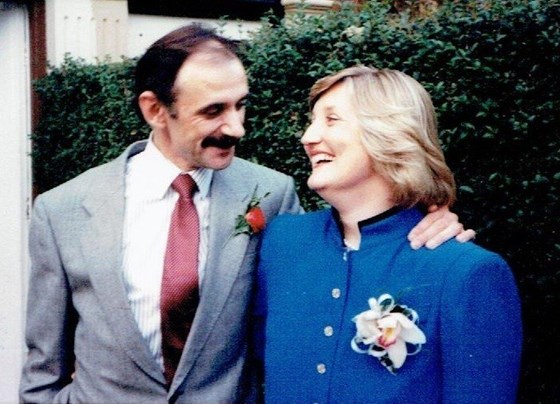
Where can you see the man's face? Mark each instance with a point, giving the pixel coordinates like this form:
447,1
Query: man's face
206,119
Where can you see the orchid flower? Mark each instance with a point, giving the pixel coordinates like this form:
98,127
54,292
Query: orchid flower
385,329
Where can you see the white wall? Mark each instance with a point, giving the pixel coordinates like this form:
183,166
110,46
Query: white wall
143,30
93,29
88,29
14,193
70,29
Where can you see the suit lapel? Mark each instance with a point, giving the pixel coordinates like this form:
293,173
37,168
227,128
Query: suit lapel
230,195
102,243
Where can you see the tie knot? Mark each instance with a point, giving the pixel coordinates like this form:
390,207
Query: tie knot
184,185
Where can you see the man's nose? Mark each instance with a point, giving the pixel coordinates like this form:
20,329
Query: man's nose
233,124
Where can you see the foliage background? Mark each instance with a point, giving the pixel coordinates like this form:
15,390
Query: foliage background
492,68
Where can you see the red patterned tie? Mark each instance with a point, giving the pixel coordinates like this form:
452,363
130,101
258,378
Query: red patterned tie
179,286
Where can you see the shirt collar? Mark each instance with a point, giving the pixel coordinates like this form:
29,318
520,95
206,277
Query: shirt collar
154,174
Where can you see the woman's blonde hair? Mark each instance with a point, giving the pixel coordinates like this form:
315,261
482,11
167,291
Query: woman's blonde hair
399,132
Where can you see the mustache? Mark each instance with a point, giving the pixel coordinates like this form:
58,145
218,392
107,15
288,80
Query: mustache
221,142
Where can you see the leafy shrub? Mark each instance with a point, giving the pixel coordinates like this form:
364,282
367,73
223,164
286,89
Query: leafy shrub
492,70
86,119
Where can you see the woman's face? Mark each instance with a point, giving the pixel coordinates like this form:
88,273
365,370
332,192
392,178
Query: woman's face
339,161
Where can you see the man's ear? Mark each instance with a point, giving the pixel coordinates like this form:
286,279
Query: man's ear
153,110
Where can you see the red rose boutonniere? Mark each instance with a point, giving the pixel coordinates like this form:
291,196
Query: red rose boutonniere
253,220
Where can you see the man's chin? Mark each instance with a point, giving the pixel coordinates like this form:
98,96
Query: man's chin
222,159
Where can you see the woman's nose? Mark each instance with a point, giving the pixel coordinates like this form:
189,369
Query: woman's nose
311,134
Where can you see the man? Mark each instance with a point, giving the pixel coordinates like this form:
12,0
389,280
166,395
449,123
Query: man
100,246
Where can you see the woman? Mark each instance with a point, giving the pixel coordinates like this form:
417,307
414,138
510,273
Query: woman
352,313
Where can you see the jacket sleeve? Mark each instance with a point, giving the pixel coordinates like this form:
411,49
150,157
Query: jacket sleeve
481,332
51,318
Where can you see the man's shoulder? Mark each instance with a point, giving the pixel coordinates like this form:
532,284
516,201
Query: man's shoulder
73,187
98,176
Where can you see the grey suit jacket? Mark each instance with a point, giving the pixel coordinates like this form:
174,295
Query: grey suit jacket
84,344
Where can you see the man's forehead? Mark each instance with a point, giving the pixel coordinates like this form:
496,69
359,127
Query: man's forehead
205,64
202,82
212,52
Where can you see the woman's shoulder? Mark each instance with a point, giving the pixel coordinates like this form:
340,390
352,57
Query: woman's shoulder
457,252
468,262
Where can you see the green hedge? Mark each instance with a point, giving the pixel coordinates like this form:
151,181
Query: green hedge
86,119
493,71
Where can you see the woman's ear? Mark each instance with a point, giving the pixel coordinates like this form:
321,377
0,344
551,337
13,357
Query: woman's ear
153,110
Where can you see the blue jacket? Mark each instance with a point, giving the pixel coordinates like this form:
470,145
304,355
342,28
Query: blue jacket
310,287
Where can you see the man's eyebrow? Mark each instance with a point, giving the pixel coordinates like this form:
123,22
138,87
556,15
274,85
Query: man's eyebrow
243,99
205,109
221,105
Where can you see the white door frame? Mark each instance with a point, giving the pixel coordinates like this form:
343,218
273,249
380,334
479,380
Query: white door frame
15,192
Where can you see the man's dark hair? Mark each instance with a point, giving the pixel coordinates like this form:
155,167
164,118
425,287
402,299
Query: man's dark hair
157,69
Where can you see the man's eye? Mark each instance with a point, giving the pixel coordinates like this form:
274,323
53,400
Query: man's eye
241,104
332,118
213,111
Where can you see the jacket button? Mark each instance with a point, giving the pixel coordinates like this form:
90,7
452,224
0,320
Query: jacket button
335,293
329,331
321,368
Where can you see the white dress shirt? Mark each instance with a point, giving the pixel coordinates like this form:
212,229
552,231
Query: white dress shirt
149,203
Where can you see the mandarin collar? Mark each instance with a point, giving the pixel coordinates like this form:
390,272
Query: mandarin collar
395,222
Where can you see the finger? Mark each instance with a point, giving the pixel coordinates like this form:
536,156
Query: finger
430,232
442,236
427,222
434,208
466,235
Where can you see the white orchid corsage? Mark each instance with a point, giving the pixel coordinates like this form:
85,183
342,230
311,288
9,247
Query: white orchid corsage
384,331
